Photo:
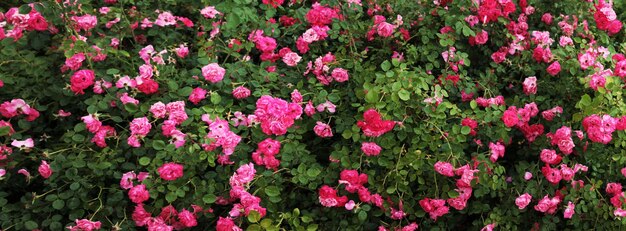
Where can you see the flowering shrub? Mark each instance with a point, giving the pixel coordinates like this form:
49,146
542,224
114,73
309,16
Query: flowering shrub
292,115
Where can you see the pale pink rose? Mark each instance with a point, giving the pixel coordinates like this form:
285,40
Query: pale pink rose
291,59
213,72
530,85
209,12
23,144
523,200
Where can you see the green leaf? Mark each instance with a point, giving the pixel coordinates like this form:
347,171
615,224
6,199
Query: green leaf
170,197
58,204
404,94
158,145
473,104
130,107
144,161
362,215
209,198
313,172
5,130
254,217
272,191
31,225
372,96
215,98
385,65
465,130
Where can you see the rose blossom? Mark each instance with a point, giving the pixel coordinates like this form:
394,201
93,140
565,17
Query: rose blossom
170,171
213,72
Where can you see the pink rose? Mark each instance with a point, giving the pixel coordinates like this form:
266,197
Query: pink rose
444,168
213,72
127,180
385,29
530,85
138,194
291,59
187,219
85,225
197,95
371,149
340,75
523,200
554,68
170,171
241,92
528,176
45,170
509,117
323,130
81,80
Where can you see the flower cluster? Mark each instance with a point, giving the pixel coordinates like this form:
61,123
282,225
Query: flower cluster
276,115
266,152
139,128
600,128
221,136
16,107
101,132
175,112
373,125
33,21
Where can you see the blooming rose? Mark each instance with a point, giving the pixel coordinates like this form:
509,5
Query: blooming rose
170,171
241,92
530,85
554,68
340,75
291,59
371,149
81,80
213,72
138,194
523,200
323,130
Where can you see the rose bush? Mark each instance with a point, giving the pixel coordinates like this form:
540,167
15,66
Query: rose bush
333,115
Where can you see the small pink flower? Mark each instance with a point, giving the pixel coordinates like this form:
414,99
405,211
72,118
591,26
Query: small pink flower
444,168
2,172
569,210
385,29
45,170
350,205
138,194
209,12
197,95
213,72
170,171
554,68
323,130
370,148
23,144
530,85
127,180
291,59
181,51
340,75
523,200
85,225
528,176
241,92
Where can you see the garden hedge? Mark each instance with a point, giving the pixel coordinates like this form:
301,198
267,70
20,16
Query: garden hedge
312,115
